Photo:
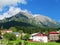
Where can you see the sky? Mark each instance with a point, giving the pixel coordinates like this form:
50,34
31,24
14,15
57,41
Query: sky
50,8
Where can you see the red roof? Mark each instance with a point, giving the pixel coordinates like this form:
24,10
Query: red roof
53,32
40,34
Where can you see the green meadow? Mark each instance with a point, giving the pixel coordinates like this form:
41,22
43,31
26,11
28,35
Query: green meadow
38,43
18,42
33,43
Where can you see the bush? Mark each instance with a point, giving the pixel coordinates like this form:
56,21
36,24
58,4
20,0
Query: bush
9,36
26,37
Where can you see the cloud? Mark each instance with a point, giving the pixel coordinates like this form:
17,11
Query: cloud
11,12
11,2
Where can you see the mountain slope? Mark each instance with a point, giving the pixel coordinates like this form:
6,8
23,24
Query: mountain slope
46,21
36,20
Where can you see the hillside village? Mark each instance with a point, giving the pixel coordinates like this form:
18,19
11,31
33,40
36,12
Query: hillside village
42,37
36,37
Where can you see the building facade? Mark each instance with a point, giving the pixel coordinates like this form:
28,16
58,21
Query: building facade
39,38
53,36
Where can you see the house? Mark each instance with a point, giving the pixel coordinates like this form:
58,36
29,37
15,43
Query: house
39,37
19,35
5,31
16,33
53,36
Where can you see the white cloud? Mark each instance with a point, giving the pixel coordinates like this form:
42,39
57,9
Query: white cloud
11,2
11,12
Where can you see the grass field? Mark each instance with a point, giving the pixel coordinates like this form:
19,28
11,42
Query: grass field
30,43
38,43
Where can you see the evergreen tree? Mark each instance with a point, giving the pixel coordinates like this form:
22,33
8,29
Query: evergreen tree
13,29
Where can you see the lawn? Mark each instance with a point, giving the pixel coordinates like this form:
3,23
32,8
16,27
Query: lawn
17,42
35,43
38,43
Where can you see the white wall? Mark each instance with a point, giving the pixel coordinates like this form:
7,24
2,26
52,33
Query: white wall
40,38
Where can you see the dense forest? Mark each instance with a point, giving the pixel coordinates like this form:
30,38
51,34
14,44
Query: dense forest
25,27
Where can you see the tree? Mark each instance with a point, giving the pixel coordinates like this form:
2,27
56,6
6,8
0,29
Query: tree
21,31
9,36
0,35
2,28
26,37
59,36
46,32
13,29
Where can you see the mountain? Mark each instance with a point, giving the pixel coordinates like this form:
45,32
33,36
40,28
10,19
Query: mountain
21,19
45,21
25,18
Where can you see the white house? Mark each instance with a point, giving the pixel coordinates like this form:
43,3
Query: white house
16,33
39,37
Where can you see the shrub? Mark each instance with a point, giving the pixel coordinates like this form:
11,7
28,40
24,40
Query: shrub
9,36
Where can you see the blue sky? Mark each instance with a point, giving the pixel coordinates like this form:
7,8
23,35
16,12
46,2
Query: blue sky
50,8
